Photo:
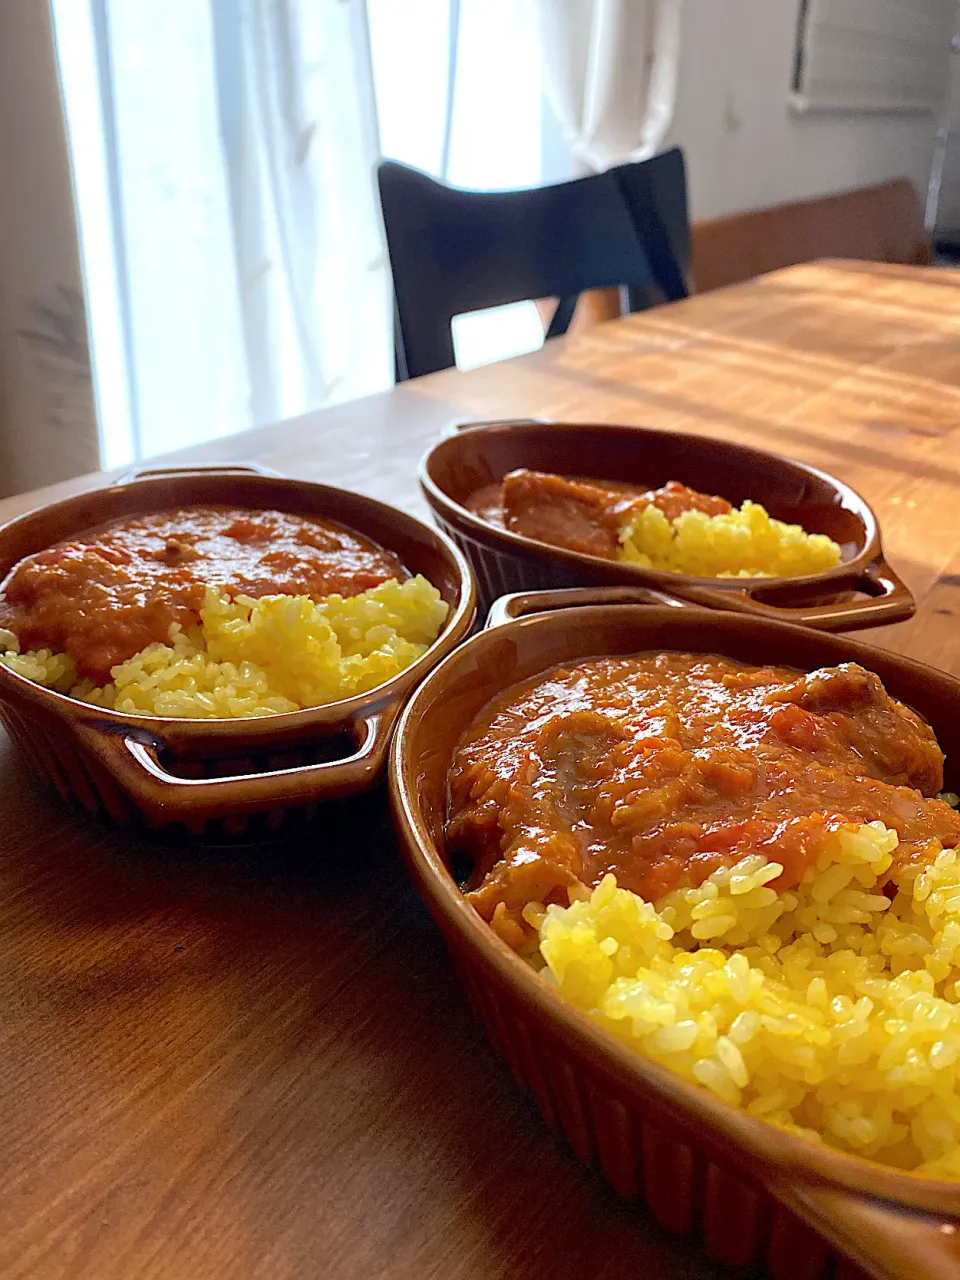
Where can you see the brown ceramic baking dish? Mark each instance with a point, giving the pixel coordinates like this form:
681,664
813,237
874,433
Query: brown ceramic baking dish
143,768
757,1195
861,591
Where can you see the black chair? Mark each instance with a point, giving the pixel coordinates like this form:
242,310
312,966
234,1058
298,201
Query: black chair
455,251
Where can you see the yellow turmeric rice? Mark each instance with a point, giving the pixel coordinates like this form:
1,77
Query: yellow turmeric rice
832,1009
744,543
259,657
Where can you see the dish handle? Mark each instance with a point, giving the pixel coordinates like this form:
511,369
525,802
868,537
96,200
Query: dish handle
134,761
888,1241
213,468
522,603
890,600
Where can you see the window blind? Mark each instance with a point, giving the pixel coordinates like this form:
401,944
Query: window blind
872,55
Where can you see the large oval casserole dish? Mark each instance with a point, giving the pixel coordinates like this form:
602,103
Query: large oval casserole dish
194,771
861,591
699,1162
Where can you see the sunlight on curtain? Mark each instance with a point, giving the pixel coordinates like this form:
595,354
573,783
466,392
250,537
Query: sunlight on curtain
610,69
499,135
83,112
299,133
179,376
223,154
409,49
496,130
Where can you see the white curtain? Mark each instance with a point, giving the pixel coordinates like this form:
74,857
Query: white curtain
611,72
224,153
298,122
441,110
48,427
223,162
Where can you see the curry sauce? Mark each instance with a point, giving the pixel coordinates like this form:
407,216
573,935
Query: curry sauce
663,767
105,595
582,515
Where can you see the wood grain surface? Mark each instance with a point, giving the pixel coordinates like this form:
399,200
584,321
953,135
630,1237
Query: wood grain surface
230,1061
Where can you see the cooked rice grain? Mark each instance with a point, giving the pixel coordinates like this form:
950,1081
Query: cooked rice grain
741,544
260,657
828,1009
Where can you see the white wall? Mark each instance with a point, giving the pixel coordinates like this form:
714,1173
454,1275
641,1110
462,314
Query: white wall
745,148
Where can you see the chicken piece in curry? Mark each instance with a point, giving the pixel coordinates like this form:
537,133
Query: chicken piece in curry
581,515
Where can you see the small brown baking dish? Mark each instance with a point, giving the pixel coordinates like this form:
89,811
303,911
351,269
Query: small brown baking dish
861,591
161,771
757,1194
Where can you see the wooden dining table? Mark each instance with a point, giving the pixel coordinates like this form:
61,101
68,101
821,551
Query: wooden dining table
223,1060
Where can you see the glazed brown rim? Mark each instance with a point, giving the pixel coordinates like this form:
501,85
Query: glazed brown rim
889,599
130,746
841,1195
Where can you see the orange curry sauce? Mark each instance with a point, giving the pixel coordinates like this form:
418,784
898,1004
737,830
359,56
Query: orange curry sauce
105,595
662,768
580,515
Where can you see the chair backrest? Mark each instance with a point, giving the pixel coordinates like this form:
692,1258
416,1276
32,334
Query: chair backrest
454,251
879,224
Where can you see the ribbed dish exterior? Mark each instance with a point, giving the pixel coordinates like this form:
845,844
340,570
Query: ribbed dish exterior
684,1189
501,575
54,753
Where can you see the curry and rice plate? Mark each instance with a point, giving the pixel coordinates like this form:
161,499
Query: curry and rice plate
747,874
673,529
211,612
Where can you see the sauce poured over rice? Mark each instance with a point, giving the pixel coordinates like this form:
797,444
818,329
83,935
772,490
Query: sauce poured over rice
664,767
210,612
105,595
673,529
744,873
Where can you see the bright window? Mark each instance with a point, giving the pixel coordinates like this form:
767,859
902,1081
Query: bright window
145,86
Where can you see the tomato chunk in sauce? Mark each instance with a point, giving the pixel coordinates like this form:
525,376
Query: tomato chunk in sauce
662,768
105,595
